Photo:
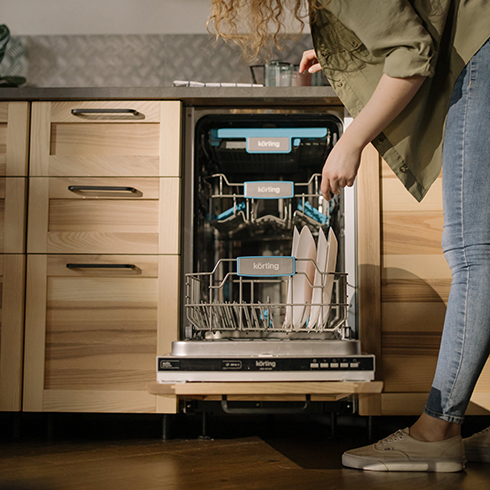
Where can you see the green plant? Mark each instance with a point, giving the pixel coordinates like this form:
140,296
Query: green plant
4,39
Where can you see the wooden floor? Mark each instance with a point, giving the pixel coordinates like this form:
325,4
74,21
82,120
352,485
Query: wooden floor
249,454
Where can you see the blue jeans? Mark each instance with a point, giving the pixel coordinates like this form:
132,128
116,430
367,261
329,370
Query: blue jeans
465,344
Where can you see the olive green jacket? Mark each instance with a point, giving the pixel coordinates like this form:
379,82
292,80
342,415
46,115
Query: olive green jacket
356,41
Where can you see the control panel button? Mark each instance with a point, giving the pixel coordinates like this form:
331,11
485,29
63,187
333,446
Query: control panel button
314,365
324,365
334,364
354,365
344,365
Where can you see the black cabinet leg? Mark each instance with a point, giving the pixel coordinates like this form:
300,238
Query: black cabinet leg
204,427
370,428
333,424
166,422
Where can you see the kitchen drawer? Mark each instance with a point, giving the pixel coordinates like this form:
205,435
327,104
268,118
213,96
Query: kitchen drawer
94,325
108,216
12,289
121,138
14,138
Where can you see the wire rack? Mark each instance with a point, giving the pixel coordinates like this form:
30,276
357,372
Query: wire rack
231,210
225,301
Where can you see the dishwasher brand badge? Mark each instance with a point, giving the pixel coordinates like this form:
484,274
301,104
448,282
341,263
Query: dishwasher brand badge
168,364
269,189
266,266
268,144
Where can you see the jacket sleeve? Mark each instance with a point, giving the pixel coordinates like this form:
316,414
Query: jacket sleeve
389,29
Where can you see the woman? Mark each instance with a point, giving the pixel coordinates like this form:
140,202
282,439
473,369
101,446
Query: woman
414,74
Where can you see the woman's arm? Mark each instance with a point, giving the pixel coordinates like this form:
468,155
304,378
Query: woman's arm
391,96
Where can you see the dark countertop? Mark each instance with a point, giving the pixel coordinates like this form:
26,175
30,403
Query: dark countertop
191,96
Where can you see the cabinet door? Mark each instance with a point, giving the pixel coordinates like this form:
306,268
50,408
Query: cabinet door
12,214
106,139
104,215
94,326
14,131
12,284
14,138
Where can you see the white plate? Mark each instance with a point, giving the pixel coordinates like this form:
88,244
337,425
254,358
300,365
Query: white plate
331,265
289,309
304,277
317,295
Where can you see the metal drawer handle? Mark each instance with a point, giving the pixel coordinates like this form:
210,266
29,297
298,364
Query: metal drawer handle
81,112
102,266
92,188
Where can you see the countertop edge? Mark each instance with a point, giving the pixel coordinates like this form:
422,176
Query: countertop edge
189,95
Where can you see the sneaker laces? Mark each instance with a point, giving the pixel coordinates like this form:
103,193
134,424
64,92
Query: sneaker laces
397,436
481,432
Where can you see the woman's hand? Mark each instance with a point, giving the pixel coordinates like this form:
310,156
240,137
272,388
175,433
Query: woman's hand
340,168
309,62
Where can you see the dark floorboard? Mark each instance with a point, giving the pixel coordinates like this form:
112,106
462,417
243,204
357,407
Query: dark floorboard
83,451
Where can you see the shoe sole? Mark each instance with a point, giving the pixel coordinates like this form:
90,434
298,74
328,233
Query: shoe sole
478,458
427,466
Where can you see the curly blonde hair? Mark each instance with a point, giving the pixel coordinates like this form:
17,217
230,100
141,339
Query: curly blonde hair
255,24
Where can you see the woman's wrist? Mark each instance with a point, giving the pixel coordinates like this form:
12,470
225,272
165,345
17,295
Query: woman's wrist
354,139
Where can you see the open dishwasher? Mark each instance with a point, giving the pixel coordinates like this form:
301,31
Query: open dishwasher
266,292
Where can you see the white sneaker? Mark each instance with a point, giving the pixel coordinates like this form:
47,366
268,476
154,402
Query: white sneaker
477,447
401,452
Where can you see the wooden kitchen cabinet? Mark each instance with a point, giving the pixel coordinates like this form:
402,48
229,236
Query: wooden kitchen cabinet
14,133
404,288
94,326
68,140
104,215
103,254
14,138
12,284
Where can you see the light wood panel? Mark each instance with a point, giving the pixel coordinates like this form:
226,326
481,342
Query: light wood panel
368,230
415,288
106,144
92,335
170,137
124,401
397,199
13,194
17,139
268,388
14,132
3,147
416,233
104,139
4,109
14,138
3,137
144,221
369,265
12,275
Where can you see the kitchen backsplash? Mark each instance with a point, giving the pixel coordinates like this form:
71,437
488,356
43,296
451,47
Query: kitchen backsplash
131,60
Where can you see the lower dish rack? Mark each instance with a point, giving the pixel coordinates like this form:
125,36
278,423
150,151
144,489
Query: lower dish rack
231,300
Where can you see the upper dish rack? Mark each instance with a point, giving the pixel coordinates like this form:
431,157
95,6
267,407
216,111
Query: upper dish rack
230,299
234,206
